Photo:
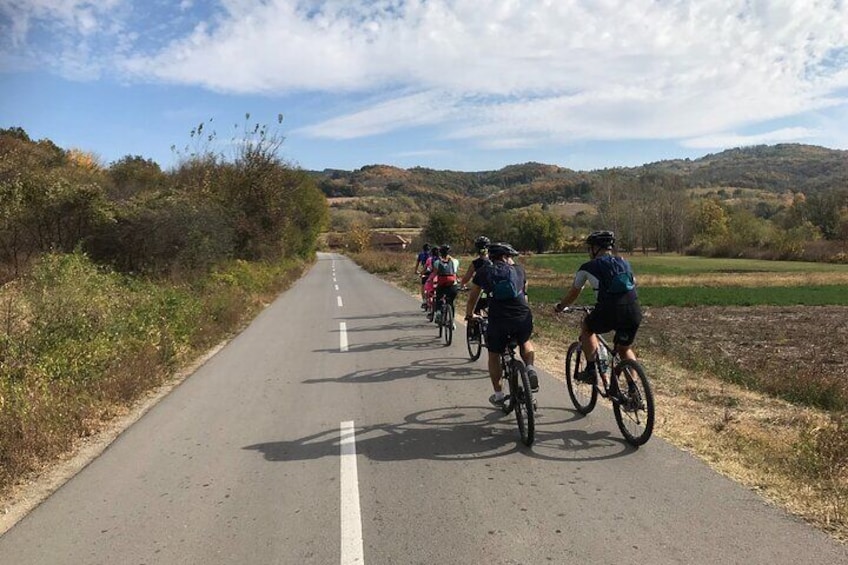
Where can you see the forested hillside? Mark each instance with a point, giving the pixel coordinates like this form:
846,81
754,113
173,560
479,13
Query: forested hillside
784,201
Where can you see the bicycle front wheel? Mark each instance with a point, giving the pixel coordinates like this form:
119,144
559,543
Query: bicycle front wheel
584,396
522,397
447,321
474,338
634,407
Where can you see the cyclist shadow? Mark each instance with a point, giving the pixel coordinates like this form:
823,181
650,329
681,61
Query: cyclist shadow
382,315
408,343
446,441
416,369
395,326
575,444
449,434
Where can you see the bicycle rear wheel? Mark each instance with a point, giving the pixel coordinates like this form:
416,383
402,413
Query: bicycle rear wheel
634,407
522,397
584,396
474,338
447,322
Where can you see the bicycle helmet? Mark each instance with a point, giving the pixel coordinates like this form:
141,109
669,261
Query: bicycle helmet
481,243
444,250
502,249
603,239
426,247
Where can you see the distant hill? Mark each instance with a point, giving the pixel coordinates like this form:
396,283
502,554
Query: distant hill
776,168
381,190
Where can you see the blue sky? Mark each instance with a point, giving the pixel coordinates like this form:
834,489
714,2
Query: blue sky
465,85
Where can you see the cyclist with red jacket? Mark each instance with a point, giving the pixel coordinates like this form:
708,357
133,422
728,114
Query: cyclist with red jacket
445,269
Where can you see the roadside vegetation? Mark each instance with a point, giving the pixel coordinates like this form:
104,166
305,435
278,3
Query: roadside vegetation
113,277
760,392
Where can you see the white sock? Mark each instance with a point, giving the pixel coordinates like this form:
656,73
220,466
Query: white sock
531,368
499,395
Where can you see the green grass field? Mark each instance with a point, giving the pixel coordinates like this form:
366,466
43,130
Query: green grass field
823,295
676,266
688,265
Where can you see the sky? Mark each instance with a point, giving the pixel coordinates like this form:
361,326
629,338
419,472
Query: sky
463,85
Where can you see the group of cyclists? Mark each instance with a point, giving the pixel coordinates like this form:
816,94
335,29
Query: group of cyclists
497,285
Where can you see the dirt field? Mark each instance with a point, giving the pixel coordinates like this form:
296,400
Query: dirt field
797,342
793,455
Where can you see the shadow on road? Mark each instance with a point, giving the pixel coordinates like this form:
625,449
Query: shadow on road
408,343
451,434
439,369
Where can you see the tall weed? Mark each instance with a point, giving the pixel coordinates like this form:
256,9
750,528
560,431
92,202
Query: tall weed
78,342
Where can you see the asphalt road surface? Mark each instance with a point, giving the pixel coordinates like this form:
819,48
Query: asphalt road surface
337,428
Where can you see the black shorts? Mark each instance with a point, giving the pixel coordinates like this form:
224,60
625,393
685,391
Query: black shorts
623,318
499,332
448,292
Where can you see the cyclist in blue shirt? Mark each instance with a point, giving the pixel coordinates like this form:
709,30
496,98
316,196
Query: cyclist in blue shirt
617,305
420,268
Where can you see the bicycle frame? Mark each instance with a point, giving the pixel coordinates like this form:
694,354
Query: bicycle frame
633,405
521,399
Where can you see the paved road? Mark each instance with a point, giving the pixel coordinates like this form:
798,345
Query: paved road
338,429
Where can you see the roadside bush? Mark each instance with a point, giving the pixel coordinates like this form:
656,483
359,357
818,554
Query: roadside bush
79,341
166,233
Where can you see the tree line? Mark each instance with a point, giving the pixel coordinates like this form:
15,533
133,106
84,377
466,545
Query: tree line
658,211
139,219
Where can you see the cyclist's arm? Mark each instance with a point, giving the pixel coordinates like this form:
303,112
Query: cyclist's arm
569,298
473,295
468,274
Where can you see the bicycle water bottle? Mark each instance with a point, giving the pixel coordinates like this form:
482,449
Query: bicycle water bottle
603,360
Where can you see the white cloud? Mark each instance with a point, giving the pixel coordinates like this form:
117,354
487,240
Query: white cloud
509,73
408,111
734,140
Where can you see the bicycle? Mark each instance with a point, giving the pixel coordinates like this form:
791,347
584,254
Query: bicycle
475,330
629,390
475,336
520,397
444,320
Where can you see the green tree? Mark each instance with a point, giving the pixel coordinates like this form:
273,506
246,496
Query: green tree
537,230
443,226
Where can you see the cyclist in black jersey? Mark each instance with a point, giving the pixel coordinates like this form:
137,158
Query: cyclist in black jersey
617,306
482,246
509,313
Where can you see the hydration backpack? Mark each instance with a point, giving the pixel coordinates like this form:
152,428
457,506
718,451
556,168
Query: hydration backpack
504,281
445,272
617,276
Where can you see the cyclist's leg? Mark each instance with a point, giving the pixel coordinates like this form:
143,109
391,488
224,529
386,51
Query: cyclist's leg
627,324
523,331
495,373
440,292
496,340
589,343
451,293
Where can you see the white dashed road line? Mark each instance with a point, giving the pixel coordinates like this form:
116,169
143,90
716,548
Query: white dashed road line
351,518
